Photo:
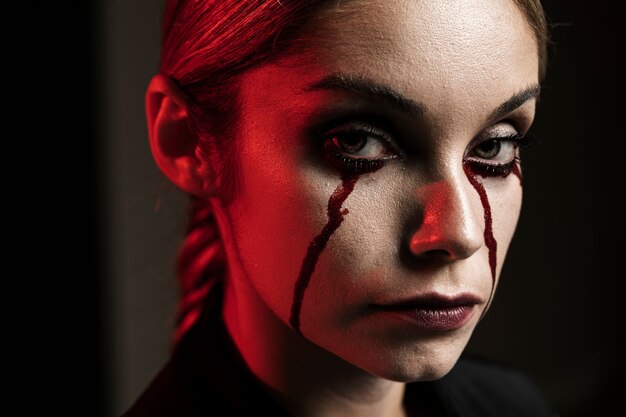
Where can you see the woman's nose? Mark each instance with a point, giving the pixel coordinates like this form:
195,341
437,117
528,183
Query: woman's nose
450,228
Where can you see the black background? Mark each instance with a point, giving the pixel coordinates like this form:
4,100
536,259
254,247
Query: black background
559,308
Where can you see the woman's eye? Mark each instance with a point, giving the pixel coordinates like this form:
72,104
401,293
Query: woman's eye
495,157
496,150
360,144
358,148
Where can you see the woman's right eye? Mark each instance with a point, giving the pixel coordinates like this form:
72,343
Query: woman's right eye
358,147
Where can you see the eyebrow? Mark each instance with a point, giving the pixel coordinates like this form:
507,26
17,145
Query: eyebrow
349,83
367,87
515,101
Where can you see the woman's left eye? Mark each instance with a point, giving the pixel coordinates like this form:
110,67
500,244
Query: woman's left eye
358,147
497,150
496,156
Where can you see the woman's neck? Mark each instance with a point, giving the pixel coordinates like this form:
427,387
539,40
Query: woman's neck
306,379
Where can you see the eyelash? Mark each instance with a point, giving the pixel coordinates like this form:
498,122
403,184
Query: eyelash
362,165
350,164
487,169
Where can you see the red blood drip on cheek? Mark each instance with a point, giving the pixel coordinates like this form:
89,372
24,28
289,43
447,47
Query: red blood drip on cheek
490,241
317,245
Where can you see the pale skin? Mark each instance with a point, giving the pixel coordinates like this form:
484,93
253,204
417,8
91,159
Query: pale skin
414,226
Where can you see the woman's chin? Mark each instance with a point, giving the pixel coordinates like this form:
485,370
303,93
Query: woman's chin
419,372
423,360
418,369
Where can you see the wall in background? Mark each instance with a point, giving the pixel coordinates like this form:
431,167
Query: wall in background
557,314
145,212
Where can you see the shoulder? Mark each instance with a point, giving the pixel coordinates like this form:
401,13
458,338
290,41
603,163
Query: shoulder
171,393
476,387
204,376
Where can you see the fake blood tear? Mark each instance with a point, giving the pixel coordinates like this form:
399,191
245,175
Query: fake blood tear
490,241
317,245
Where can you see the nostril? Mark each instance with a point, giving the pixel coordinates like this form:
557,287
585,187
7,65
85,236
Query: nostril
444,246
437,253
426,260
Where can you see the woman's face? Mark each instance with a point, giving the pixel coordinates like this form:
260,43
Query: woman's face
406,117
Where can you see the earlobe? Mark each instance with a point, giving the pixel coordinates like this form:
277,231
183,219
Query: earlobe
172,142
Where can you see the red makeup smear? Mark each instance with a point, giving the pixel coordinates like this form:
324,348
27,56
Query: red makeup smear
490,241
317,245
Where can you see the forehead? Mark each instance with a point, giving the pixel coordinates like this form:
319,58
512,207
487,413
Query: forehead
454,45
461,58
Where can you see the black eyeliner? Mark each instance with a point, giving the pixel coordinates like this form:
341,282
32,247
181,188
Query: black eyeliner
487,169
355,124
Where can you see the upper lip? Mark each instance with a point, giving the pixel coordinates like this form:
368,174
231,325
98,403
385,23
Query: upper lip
433,300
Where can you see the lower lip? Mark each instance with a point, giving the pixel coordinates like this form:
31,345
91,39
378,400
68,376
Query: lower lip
436,319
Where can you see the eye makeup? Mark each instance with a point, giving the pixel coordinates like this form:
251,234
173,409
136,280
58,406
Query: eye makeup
357,145
487,165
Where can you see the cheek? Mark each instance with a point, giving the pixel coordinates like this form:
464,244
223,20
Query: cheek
358,261
506,201
278,209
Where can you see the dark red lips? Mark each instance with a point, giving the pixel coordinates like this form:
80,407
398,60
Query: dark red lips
434,311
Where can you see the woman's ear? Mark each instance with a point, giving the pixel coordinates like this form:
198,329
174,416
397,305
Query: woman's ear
171,140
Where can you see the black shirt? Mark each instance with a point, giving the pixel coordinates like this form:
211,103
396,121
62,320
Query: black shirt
206,376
